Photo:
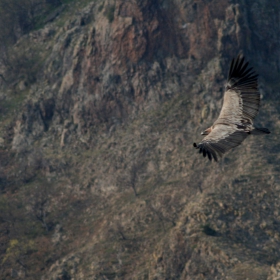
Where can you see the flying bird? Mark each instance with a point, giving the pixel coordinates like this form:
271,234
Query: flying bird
240,106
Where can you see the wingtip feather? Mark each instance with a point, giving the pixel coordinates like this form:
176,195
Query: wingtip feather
239,75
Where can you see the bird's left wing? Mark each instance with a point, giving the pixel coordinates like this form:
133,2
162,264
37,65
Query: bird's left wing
242,98
222,138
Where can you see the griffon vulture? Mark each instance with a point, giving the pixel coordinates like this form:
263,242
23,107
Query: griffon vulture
240,107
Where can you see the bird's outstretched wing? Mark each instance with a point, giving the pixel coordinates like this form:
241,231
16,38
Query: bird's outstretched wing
222,138
242,98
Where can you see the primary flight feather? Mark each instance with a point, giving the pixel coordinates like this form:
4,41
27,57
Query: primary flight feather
240,107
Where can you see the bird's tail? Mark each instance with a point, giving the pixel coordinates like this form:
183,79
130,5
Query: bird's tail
260,131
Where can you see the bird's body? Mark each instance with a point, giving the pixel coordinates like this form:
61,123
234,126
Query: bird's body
240,107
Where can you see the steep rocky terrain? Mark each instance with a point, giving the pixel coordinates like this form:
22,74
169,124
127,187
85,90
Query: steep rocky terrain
98,176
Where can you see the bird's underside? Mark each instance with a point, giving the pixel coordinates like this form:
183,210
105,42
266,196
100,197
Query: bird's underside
240,107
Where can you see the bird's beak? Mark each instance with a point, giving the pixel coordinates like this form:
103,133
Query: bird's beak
206,132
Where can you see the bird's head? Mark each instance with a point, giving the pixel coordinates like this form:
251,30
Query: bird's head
207,131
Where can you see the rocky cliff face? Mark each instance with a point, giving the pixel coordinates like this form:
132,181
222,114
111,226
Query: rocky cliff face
100,153
113,60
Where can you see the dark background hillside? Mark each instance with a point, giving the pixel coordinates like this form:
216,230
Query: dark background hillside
100,103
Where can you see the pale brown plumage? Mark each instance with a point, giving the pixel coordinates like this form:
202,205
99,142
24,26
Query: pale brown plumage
240,107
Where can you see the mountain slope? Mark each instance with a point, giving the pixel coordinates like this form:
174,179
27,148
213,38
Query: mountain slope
99,179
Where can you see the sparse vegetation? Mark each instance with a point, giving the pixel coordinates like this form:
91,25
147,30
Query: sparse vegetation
208,230
100,8
109,13
21,64
131,177
19,17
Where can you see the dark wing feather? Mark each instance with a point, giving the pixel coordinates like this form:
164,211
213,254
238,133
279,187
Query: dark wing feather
245,82
221,139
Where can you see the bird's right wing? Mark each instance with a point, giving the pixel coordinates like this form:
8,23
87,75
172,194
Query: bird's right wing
222,138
